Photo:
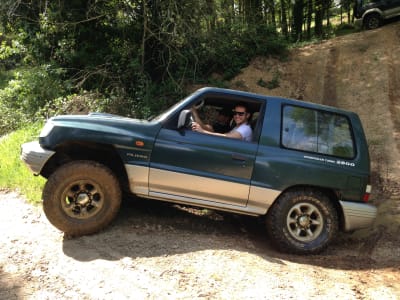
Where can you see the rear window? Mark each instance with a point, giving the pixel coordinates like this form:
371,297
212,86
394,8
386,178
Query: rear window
316,131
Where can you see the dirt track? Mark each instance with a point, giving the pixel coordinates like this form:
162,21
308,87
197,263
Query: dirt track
159,251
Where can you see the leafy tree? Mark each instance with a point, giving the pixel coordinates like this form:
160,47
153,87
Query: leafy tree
137,56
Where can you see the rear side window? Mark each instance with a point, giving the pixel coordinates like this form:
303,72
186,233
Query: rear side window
316,131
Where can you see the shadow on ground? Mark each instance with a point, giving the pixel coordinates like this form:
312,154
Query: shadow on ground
146,228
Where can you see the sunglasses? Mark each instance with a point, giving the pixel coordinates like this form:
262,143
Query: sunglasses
240,113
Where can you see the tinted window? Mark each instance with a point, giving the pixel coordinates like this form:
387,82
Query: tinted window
316,131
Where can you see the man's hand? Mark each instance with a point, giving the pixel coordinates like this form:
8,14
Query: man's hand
196,127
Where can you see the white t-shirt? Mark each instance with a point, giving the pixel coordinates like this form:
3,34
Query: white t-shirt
245,131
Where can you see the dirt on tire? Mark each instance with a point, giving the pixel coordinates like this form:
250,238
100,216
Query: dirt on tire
155,250
94,213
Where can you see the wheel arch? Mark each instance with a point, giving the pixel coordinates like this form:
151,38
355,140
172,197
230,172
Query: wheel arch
76,150
373,11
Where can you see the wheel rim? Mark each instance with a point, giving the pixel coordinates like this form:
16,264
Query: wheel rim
373,23
82,199
305,222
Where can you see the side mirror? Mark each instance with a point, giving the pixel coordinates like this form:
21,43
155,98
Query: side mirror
185,119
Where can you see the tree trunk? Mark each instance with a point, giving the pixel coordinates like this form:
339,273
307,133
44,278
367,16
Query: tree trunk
298,15
284,24
144,36
318,18
310,11
210,10
327,5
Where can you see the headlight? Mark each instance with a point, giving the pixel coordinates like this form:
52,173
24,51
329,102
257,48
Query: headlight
46,129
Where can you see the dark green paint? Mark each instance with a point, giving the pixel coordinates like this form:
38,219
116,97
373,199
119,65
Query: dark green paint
265,164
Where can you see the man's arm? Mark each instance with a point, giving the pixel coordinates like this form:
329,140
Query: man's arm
232,134
198,120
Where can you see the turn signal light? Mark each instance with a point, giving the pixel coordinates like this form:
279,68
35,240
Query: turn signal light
367,193
139,143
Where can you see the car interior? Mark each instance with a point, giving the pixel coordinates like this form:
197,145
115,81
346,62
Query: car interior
209,108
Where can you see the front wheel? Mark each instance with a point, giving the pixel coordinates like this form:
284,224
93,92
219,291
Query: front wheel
302,221
81,197
372,21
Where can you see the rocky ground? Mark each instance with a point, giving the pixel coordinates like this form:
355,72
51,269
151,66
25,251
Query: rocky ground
155,250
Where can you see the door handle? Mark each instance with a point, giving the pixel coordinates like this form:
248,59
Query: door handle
238,157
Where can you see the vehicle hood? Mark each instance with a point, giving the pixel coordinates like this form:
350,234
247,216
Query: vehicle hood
98,128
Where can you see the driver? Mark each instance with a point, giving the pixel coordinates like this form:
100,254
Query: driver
241,131
221,124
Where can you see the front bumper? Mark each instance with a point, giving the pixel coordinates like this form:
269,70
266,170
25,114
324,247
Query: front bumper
357,215
358,23
34,156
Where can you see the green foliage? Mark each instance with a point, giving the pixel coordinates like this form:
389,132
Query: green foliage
274,82
12,49
26,94
129,57
345,28
271,84
261,82
82,103
13,173
230,49
5,77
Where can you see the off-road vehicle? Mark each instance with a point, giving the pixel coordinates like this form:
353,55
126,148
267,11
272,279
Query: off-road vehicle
306,172
373,12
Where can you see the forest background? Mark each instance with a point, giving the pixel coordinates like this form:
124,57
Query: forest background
134,58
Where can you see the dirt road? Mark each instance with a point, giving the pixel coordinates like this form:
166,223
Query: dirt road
160,251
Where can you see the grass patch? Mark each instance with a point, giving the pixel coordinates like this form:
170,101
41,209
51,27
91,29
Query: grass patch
13,172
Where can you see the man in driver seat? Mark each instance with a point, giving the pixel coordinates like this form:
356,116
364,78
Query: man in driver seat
222,123
242,129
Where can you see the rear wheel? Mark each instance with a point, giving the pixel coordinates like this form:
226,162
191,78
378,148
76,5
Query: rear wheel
372,21
302,221
81,197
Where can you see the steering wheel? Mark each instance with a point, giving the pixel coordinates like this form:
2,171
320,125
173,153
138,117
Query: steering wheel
199,104
191,120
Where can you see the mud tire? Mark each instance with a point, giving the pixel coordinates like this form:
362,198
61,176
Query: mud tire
302,221
372,21
81,197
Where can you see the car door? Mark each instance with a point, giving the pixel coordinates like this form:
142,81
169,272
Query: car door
193,167
392,8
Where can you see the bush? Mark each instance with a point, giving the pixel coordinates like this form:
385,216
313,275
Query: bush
82,103
229,50
26,94
345,28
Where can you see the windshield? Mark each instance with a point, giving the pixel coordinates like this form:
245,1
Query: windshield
165,113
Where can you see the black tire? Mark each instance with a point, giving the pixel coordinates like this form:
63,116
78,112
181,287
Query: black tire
302,221
81,197
372,21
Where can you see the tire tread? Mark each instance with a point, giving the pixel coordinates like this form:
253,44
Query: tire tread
75,227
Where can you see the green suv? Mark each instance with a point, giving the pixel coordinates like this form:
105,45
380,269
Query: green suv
305,171
373,12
